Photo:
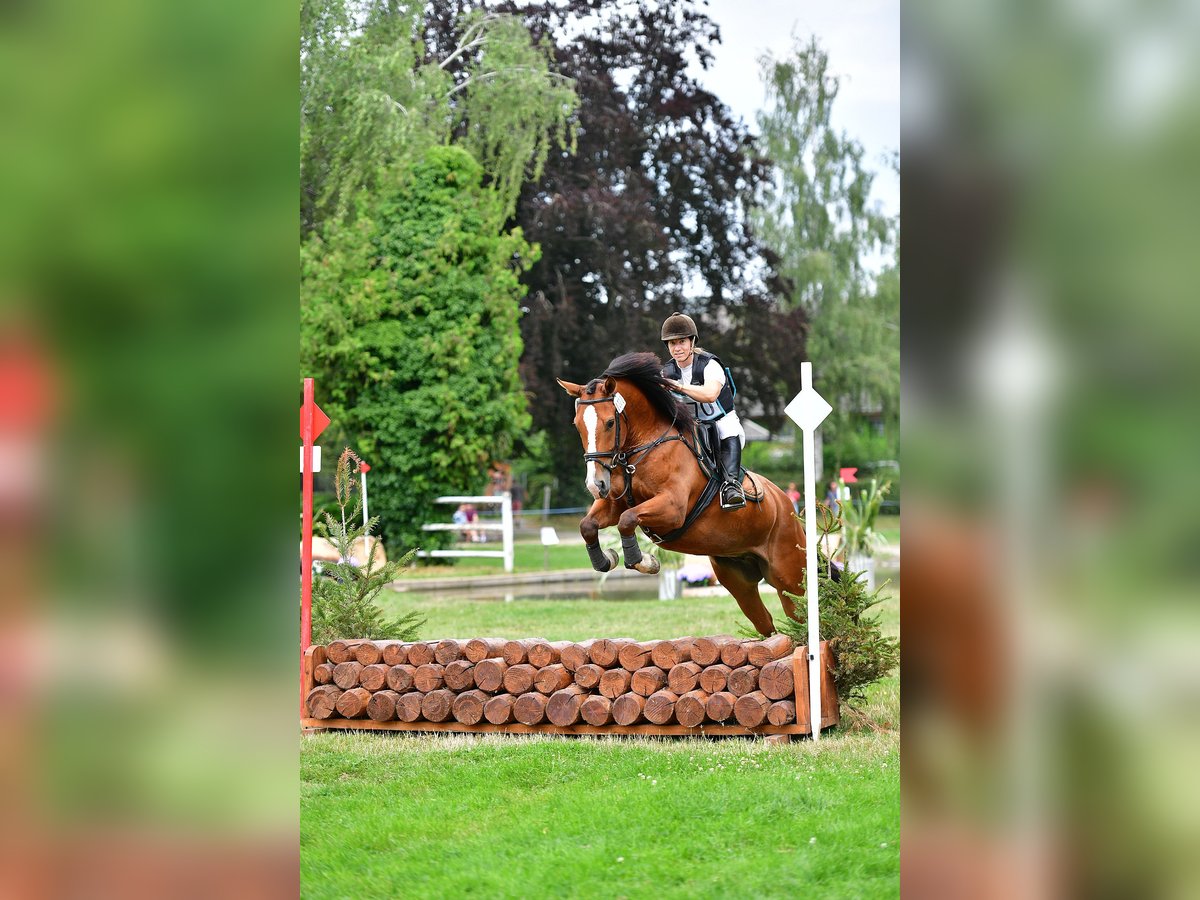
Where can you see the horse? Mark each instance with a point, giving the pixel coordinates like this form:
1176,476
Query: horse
644,470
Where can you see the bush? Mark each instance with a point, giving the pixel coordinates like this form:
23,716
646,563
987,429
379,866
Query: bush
861,653
343,598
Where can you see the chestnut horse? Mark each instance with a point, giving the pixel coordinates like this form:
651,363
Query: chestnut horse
643,470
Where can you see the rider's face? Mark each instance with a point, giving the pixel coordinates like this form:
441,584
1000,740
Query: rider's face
681,350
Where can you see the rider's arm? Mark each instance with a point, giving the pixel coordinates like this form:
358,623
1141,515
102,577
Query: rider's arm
714,380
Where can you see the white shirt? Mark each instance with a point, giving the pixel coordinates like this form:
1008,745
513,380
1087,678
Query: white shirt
729,425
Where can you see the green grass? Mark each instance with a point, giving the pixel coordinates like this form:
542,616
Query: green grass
395,814
401,815
527,557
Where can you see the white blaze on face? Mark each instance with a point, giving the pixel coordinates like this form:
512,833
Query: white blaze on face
589,419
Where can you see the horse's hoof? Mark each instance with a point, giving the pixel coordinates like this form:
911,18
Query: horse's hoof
613,559
648,565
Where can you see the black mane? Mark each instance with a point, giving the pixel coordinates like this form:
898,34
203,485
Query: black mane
644,370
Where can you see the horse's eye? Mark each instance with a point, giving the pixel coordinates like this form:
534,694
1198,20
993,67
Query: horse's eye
608,424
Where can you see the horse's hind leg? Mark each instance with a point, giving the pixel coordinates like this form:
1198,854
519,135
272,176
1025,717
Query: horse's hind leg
740,577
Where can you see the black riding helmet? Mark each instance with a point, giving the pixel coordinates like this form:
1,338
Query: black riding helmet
678,326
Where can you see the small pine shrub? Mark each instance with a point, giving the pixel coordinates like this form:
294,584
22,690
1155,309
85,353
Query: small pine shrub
861,653
343,596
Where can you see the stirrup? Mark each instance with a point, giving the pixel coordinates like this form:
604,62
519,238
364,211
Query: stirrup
739,499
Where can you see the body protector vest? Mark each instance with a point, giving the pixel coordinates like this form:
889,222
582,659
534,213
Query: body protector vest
706,412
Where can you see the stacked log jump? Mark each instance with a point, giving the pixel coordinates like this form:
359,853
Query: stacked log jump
703,686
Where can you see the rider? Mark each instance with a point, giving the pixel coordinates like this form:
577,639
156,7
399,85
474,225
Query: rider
700,376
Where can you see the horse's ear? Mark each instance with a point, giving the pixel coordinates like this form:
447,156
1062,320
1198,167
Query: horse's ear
573,389
610,386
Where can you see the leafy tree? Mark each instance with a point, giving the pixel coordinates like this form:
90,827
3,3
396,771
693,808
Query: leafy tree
343,599
646,217
371,97
409,316
814,215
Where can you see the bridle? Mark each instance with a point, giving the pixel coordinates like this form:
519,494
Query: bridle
624,459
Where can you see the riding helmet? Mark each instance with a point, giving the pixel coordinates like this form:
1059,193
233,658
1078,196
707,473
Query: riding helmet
678,326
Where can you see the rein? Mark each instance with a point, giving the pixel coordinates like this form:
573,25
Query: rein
625,459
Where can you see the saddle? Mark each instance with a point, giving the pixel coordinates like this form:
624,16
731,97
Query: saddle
703,445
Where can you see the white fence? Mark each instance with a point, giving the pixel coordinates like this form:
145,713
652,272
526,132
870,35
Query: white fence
504,526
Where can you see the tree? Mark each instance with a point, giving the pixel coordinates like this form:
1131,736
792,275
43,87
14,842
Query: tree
371,97
409,316
645,218
814,214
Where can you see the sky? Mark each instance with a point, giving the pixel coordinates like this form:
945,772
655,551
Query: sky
862,38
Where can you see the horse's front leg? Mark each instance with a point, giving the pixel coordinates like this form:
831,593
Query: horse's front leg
602,515
659,514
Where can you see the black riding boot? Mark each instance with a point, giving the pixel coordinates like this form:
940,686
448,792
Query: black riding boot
732,496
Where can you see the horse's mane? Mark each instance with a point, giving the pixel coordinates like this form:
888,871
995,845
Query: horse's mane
644,370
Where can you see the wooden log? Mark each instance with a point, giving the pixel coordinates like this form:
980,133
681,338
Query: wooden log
395,653
627,709
781,712
690,708
634,656
552,678
777,646
671,653
562,709
518,679
830,710
321,702
615,682
707,650
647,680
714,678
742,681
429,677
498,709
530,709
339,652
408,707
345,675
447,651
547,653
460,675
400,677
776,680
577,654
605,652
719,706
468,706
323,673
660,707
374,676
382,706
479,649
517,652
596,710
368,653
353,703
420,653
684,677
734,654
489,674
588,676
750,709
438,705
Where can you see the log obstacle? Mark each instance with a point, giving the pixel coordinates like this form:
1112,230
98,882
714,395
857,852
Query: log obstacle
719,685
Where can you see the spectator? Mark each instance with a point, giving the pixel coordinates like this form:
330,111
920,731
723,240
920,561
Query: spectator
794,496
460,518
831,496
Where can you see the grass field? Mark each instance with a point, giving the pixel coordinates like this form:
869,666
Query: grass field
398,815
